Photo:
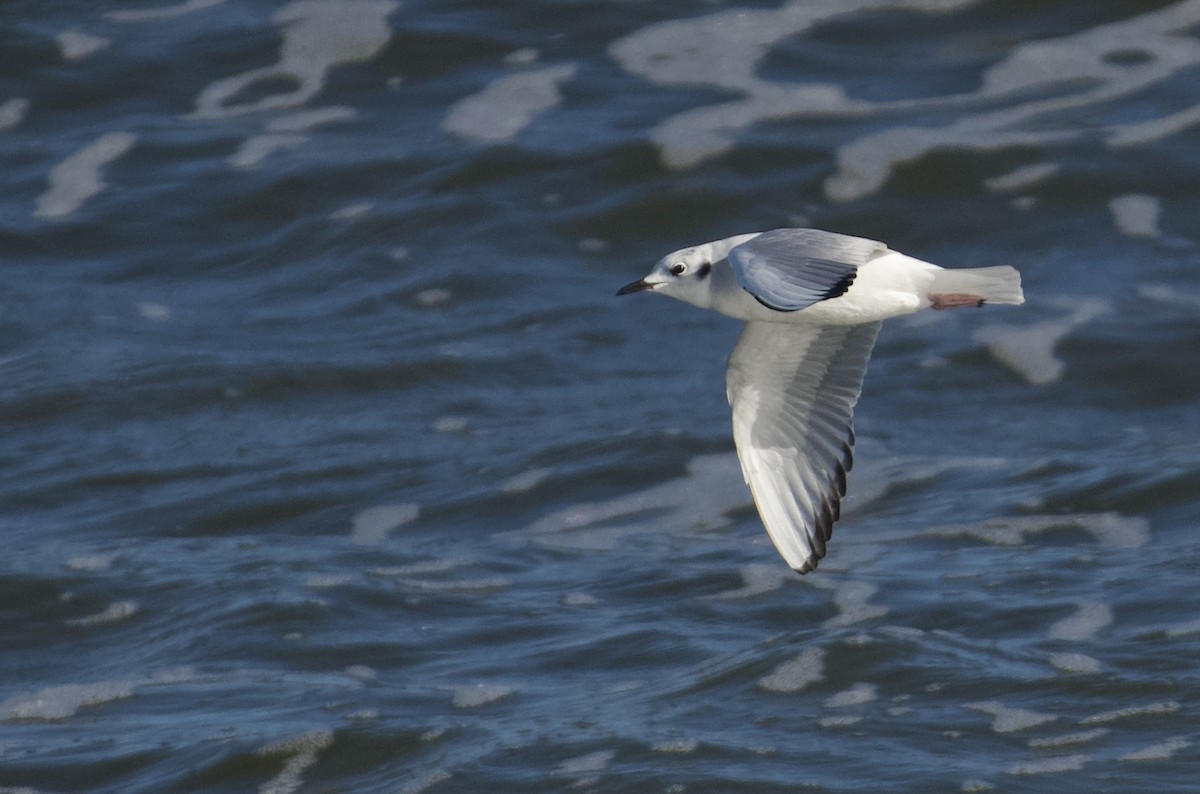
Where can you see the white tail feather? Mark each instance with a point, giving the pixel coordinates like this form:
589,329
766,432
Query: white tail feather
1001,284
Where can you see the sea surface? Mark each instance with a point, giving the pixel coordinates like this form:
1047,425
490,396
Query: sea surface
329,461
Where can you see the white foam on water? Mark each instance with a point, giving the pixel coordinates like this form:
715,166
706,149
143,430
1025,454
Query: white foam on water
974,786
155,312
324,581
1118,531
590,539
1040,69
420,568
454,585
1061,763
309,120
1068,739
172,675
471,697
352,212
1083,625
1123,531
1006,719
1022,178
699,501
580,600
1136,215
592,245
451,424
865,165
1028,350
318,35
373,525
302,752
527,480
1149,710
259,147
855,554
852,600
1075,663
286,132
1158,752
424,781
677,747
1109,529
626,686
856,695
1027,98
586,764
1154,130
878,471
526,56
903,632
78,178
841,721
722,49
508,105
362,672
113,613
796,674
1166,293
60,702
75,46
759,578
12,112
91,562
163,12
1187,629
434,296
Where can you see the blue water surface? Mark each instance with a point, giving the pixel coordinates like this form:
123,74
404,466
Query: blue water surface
332,463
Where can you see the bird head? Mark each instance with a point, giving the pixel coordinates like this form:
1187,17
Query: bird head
687,274
683,275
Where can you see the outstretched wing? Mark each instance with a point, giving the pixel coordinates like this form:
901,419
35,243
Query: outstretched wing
792,389
790,269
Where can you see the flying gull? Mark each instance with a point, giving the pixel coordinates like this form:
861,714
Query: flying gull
812,302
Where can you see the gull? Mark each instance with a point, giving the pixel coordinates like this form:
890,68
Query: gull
812,302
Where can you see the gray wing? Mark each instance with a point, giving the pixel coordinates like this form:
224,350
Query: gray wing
792,389
790,269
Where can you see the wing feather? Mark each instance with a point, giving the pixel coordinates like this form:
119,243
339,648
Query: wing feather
791,269
792,389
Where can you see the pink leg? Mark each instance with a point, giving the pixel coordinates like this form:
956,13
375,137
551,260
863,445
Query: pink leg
954,300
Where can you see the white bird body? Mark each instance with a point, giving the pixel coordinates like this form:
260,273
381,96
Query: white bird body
812,302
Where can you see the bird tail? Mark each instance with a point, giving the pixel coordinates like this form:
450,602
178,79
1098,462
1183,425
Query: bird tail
1001,284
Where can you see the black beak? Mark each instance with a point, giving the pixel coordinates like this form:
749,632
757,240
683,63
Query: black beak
637,286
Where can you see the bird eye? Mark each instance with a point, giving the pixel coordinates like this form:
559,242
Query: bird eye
678,268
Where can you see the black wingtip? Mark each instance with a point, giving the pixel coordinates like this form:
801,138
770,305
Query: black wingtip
825,524
839,477
840,287
809,566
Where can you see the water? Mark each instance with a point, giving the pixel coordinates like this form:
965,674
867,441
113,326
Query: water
331,463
